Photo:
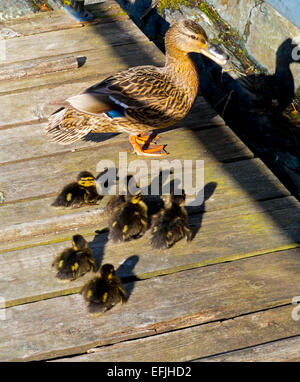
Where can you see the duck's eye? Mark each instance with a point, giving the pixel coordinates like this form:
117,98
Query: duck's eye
193,37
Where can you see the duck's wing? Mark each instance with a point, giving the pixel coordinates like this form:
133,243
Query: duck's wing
137,91
141,95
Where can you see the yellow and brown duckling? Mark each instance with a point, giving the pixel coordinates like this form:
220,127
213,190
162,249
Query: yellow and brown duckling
104,291
171,223
140,99
75,194
129,220
116,201
74,262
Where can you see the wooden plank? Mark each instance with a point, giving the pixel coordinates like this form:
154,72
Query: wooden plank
45,175
56,20
54,43
184,345
286,350
31,238
33,143
112,60
220,239
173,302
256,183
37,67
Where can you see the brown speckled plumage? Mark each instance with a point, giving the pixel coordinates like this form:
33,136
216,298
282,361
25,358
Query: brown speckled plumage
149,97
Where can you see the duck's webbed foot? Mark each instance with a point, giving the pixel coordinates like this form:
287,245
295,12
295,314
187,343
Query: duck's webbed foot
144,144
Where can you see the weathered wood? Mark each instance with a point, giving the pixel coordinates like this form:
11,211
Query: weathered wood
46,175
239,221
213,244
219,238
70,330
187,344
30,141
37,67
54,43
280,351
107,11
95,63
256,182
46,237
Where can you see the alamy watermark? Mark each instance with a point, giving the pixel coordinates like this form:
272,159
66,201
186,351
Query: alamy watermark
148,176
296,310
296,49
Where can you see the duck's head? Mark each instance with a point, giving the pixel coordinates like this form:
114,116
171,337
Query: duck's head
85,179
187,36
107,271
79,242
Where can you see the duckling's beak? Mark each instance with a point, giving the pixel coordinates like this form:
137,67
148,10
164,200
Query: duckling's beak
215,54
86,182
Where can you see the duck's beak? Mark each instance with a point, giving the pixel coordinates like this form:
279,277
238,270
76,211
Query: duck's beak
215,54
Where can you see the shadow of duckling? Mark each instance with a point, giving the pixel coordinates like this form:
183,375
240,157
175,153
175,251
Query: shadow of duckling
126,274
195,213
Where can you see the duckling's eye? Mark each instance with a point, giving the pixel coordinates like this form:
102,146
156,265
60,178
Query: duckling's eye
193,37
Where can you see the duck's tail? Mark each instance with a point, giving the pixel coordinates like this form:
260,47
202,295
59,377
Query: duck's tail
67,125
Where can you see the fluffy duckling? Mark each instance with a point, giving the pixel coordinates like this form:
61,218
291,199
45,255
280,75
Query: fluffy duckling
129,220
170,224
104,291
74,262
116,201
75,194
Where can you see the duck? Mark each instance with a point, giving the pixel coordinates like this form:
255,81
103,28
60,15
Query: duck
171,223
104,291
129,220
140,99
76,261
76,194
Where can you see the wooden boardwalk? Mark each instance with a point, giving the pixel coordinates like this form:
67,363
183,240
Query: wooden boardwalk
227,295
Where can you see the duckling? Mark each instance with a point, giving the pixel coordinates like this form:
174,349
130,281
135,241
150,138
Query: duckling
116,201
170,224
75,194
129,220
104,291
74,262
142,98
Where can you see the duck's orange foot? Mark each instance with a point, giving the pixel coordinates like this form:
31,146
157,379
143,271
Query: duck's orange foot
146,138
143,145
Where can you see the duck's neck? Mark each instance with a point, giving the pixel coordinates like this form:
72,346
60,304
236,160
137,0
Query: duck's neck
183,72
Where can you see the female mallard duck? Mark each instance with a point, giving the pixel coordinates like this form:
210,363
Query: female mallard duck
142,98
74,262
104,291
170,224
75,194
129,220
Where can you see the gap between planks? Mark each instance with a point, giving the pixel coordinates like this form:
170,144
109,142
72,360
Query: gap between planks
183,300
252,330
34,264
47,175
279,350
36,216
